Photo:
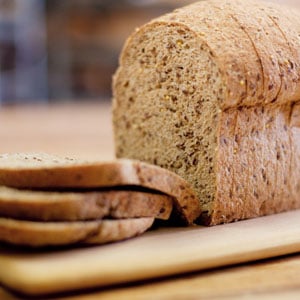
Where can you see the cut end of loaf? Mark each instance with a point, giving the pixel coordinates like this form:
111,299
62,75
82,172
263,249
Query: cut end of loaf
165,104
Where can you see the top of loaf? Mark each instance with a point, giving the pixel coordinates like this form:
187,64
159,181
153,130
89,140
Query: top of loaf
255,44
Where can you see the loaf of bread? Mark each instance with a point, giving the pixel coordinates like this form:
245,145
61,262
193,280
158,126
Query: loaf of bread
211,91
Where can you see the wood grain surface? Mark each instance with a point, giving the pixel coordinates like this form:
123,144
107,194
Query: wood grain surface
84,130
157,253
268,279
271,279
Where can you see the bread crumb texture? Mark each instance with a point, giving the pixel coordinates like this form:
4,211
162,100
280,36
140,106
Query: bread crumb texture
211,91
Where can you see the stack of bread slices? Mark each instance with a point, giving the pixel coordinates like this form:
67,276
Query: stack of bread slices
47,200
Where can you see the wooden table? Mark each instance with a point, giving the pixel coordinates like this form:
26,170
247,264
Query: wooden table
84,130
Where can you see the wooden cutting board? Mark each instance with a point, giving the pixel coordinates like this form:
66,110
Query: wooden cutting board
160,252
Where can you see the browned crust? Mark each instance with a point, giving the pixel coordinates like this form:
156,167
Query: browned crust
282,53
67,206
111,231
39,234
287,22
265,175
253,68
257,29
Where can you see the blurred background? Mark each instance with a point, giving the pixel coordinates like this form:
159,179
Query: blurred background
60,50
56,50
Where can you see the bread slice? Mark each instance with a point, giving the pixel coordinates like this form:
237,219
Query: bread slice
38,234
75,206
211,91
38,171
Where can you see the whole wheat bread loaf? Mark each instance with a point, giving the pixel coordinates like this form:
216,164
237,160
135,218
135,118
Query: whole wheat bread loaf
37,234
45,171
75,206
211,91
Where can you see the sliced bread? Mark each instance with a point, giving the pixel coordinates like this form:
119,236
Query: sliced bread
75,206
43,171
38,234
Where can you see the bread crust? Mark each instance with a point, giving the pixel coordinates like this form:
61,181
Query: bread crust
259,38
288,24
264,177
41,234
254,70
75,206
